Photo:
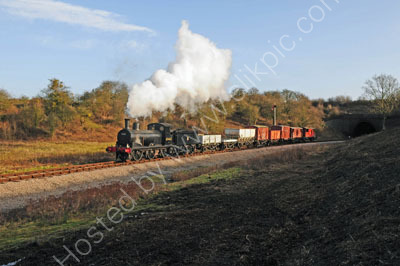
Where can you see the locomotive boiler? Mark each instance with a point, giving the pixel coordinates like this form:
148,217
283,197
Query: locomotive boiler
136,143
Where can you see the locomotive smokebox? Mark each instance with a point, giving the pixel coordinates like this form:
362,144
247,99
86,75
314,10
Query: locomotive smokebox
127,121
136,126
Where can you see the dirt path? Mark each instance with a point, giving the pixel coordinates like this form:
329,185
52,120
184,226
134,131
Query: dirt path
14,195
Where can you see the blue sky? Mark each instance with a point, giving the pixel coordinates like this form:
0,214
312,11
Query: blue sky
85,42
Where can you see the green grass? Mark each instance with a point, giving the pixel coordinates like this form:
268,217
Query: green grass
14,235
206,178
18,233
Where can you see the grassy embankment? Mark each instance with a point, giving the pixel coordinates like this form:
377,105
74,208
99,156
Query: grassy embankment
35,155
53,217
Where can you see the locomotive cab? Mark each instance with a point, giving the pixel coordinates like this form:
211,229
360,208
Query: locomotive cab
165,131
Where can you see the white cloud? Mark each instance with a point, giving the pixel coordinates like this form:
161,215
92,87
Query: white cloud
68,13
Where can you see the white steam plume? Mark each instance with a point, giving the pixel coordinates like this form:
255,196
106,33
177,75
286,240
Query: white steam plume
198,74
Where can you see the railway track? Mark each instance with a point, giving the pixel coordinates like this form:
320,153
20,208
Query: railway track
16,177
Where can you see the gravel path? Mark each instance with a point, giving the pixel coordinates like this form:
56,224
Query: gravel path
17,194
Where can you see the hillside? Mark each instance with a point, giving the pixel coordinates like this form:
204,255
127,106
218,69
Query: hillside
96,115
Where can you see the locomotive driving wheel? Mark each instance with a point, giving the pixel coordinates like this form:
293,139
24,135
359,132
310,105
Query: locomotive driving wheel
191,149
162,153
150,154
188,150
137,155
173,152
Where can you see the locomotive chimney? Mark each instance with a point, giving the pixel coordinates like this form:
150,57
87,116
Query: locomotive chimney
274,108
127,120
136,126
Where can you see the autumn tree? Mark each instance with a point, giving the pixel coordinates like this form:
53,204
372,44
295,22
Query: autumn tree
58,102
213,115
106,103
383,90
33,114
4,100
250,113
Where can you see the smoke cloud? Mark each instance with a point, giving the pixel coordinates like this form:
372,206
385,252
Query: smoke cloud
198,74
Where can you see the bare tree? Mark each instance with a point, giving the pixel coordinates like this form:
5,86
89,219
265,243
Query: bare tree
383,90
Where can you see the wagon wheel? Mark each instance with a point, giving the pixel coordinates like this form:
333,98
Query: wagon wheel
137,155
150,154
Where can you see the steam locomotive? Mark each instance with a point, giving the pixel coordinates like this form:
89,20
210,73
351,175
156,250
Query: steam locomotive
159,140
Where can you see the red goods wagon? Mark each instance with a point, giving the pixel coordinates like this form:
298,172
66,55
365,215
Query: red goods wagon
274,135
285,132
309,134
296,133
262,135
262,132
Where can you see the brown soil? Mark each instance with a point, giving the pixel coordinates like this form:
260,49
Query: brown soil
336,208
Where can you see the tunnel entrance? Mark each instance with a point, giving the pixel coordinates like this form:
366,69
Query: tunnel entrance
363,128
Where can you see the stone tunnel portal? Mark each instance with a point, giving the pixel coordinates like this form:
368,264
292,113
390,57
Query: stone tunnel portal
363,128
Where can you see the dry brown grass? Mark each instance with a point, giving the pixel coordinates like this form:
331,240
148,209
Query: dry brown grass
97,199
32,155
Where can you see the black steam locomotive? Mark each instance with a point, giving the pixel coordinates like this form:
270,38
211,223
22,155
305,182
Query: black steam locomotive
157,141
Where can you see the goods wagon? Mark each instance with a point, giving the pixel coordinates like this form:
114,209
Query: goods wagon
210,139
229,143
274,135
242,134
309,134
285,132
209,142
262,135
296,134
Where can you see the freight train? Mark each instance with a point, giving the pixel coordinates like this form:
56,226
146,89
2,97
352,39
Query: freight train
160,140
